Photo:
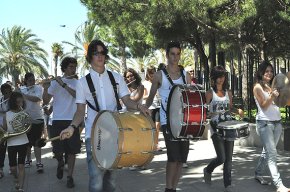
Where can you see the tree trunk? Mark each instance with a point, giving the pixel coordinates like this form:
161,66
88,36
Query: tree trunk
245,76
15,78
55,60
197,43
212,50
123,58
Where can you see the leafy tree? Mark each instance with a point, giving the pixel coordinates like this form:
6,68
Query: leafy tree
20,52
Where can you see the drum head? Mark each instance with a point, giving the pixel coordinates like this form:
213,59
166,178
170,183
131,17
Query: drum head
175,110
105,139
233,124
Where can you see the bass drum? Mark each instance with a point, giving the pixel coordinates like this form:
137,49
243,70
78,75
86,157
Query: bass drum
186,112
122,140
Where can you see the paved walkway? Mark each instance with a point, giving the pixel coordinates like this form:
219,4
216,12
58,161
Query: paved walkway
153,179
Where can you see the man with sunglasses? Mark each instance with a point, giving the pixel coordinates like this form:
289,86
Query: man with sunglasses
98,91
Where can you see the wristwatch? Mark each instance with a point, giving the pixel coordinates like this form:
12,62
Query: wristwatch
73,126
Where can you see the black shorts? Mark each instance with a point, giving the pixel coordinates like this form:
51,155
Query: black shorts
69,146
35,132
155,115
21,150
177,151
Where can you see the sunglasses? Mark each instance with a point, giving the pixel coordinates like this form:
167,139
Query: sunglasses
99,53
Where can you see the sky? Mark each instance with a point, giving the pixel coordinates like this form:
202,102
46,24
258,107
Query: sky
44,18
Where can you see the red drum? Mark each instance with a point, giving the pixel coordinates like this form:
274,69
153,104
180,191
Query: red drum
186,112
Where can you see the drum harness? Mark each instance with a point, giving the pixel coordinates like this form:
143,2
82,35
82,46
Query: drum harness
93,91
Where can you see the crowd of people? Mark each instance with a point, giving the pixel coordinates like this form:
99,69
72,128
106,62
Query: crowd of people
65,105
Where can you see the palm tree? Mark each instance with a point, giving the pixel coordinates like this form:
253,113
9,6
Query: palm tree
20,53
57,51
84,34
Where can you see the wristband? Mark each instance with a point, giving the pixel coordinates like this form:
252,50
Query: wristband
73,126
64,85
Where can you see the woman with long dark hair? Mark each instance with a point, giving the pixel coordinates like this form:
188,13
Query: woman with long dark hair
269,126
134,83
219,99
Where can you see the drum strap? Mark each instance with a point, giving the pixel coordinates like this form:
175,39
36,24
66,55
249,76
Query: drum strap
93,91
169,78
171,82
114,84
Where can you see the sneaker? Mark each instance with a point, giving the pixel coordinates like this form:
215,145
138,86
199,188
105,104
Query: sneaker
28,163
206,176
59,173
39,168
262,181
70,182
282,188
229,188
185,165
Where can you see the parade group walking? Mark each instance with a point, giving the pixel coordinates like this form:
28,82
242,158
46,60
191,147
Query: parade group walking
104,104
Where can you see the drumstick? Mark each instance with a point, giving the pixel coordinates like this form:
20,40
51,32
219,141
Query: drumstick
131,82
42,142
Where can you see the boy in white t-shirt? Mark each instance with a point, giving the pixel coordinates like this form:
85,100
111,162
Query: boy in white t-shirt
63,91
33,98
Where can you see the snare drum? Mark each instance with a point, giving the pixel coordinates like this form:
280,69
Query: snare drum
186,111
122,139
232,130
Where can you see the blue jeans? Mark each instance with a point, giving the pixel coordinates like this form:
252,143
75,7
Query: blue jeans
99,180
269,132
224,150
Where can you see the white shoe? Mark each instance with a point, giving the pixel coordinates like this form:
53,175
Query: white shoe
282,188
184,165
133,168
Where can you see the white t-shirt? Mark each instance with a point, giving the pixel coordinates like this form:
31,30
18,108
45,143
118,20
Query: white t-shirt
34,109
17,140
105,94
3,109
272,113
64,104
